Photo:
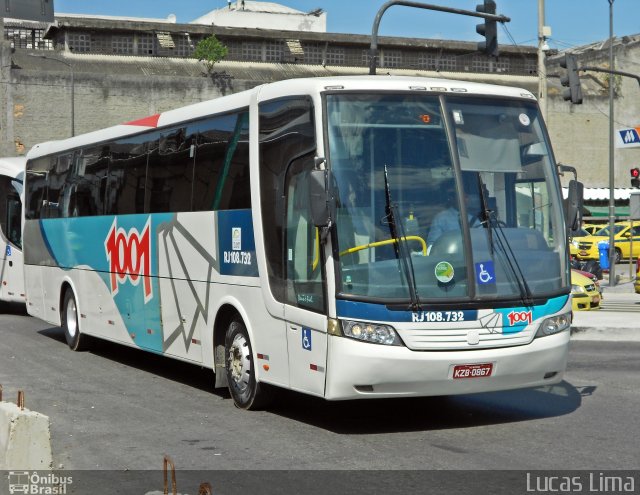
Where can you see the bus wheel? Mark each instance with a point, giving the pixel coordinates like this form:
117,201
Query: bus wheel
75,340
246,392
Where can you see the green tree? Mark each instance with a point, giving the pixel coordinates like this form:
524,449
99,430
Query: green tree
210,50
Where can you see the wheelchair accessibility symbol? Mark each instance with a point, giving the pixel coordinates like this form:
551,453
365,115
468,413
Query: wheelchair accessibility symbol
485,273
306,339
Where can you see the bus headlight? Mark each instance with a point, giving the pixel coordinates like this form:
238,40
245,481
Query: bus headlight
370,332
553,325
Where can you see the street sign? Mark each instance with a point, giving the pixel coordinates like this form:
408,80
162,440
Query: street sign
628,138
30,10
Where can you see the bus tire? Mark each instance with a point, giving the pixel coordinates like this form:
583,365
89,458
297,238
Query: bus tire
245,390
75,340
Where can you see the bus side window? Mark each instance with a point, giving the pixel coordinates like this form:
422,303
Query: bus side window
221,172
286,133
60,189
126,188
170,173
14,220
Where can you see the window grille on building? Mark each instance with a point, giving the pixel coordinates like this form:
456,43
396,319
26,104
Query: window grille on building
184,46
122,44
436,61
79,42
27,38
273,51
481,64
252,51
391,58
313,53
531,66
234,50
335,55
146,44
502,64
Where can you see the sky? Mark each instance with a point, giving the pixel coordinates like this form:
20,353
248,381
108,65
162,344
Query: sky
572,22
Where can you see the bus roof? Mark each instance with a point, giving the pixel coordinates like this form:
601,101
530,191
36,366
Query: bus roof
288,87
12,166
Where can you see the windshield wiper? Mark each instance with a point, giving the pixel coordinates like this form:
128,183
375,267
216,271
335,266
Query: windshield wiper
490,219
400,245
486,213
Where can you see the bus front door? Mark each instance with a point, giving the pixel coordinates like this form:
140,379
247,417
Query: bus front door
305,307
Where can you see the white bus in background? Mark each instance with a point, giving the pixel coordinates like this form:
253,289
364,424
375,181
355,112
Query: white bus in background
11,266
295,235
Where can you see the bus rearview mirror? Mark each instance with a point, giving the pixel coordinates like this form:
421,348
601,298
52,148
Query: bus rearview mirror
574,206
319,198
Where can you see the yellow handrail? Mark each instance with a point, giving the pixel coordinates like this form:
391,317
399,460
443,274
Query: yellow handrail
316,258
385,242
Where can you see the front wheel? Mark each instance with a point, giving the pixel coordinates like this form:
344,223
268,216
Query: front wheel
246,392
75,340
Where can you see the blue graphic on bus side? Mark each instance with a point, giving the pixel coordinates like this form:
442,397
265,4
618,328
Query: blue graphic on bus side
8,251
237,246
123,251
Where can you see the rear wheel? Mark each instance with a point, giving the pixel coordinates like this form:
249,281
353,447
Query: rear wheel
75,340
246,392
617,257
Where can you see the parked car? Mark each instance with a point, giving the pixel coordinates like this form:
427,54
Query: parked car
584,293
636,283
591,276
591,228
575,241
623,234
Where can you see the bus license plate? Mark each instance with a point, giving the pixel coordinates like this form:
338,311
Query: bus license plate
472,370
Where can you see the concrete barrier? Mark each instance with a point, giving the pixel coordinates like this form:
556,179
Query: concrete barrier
25,439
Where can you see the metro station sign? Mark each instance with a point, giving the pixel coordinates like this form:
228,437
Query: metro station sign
29,10
628,138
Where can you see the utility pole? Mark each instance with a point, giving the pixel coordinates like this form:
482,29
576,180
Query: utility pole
612,203
542,70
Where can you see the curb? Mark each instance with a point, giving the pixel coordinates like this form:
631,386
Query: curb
25,439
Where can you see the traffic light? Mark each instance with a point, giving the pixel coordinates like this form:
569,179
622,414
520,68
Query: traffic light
488,29
635,177
571,80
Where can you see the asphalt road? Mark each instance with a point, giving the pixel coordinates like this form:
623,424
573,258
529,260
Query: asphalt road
116,408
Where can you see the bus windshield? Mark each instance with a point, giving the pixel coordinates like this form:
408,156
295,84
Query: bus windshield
443,198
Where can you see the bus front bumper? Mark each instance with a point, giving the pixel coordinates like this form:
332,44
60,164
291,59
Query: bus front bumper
357,370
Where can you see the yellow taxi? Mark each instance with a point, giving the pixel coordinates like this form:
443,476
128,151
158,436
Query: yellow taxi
585,295
636,283
575,241
624,234
591,228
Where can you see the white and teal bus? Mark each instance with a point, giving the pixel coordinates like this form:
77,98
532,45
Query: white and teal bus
305,234
11,273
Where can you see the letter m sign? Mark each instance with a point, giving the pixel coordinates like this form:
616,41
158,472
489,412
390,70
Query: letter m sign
629,138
